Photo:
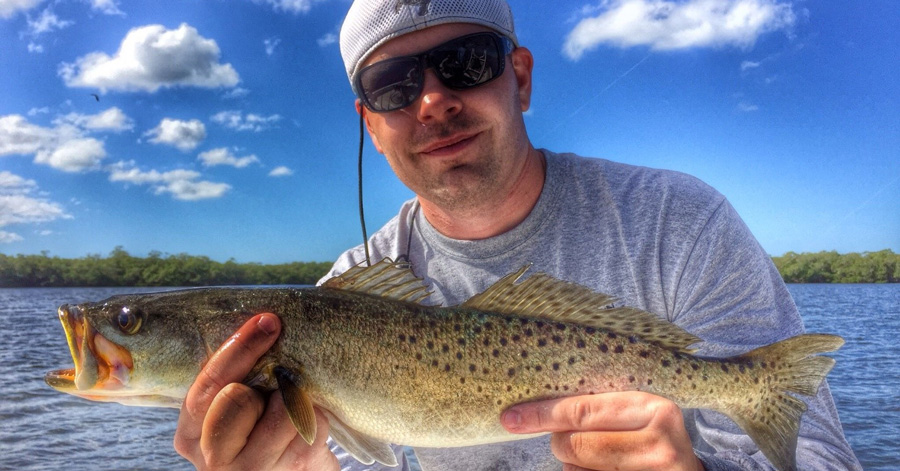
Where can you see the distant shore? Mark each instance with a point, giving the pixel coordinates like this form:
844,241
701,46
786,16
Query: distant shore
122,269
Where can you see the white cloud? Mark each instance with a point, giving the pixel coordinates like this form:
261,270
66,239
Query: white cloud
235,93
747,107
8,8
223,156
113,119
152,57
181,184
185,135
290,6
328,39
281,172
251,122
271,44
67,146
747,65
19,206
74,155
667,24
35,48
47,22
107,7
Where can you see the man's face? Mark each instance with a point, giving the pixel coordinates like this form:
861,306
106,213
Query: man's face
456,149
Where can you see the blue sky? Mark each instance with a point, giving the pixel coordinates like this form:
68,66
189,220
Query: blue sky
227,128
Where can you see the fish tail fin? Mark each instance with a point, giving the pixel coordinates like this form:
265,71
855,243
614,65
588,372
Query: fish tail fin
790,366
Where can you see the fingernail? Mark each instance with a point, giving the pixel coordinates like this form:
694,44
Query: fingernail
511,419
267,324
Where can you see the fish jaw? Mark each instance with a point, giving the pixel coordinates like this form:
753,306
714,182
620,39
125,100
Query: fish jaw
101,366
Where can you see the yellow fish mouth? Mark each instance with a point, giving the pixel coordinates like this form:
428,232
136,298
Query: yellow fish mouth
102,367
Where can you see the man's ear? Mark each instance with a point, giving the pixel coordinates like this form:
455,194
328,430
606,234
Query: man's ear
364,113
522,64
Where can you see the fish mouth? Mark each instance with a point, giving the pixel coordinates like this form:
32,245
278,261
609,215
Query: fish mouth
102,367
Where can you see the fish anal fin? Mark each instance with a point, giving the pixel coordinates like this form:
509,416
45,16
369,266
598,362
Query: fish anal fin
543,296
386,278
364,448
298,404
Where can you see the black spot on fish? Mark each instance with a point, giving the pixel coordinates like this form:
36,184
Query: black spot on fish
741,368
496,353
472,368
539,324
447,367
462,342
666,363
477,330
487,341
724,367
412,339
561,326
611,335
503,341
488,325
434,363
631,379
619,349
580,344
511,372
542,342
571,360
459,355
462,380
590,330
557,339
485,371
402,338
644,353
524,353
695,366
604,348
456,328
445,348
556,366
418,356
538,368
678,371
508,388
516,338
529,332
649,382
632,339
429,345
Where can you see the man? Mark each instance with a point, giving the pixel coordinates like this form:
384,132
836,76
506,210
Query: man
442,86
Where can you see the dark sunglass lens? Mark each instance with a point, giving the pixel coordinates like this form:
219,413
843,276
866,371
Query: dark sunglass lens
391,84
468,61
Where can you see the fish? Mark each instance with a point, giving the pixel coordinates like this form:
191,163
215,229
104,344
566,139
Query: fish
385,367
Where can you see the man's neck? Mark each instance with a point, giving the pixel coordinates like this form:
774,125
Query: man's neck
492,218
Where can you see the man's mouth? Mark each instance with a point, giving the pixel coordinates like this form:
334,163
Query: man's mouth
449,146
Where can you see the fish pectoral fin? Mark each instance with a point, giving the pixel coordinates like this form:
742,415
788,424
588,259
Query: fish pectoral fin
296,400
364,448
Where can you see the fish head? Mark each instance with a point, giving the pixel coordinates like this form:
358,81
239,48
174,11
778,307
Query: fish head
131,349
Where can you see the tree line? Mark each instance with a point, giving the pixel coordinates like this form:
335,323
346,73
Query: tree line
122,269
831,267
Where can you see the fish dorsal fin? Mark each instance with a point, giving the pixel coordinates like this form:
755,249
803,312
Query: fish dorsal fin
386,278
546,297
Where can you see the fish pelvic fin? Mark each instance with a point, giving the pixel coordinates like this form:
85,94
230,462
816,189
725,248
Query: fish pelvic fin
544,296
386,278
773,422
298,404
364,448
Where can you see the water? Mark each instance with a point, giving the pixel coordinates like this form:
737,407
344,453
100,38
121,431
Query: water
42,429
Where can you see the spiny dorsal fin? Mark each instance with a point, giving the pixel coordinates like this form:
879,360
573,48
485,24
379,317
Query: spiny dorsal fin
544,296
386,278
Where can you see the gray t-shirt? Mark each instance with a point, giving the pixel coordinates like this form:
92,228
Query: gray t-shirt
658,240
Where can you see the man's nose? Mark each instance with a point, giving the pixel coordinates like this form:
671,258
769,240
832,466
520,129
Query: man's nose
437,103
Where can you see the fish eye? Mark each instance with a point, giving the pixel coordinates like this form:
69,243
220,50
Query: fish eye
129,321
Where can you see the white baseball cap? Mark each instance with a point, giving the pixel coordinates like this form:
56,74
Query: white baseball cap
371,23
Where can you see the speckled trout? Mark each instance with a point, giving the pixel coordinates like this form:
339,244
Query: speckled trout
387,368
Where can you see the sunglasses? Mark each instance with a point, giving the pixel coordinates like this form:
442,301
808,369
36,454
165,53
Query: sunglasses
461,63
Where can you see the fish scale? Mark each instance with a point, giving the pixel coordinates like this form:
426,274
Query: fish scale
384,368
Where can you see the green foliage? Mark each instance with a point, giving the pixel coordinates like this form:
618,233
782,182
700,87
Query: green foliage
122,269
831,267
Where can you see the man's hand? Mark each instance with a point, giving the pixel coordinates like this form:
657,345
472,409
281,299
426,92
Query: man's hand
226,425
610,431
